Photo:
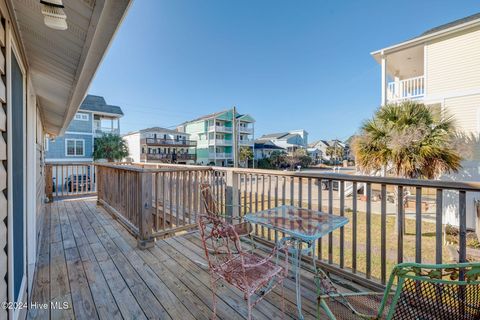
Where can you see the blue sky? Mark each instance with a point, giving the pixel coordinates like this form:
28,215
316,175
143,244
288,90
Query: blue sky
290,64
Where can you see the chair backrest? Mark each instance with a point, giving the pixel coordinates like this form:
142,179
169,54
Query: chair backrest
208,200
221,243
450,291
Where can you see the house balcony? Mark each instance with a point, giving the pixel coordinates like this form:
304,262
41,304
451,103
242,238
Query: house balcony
167,157
410,88
220,129
106,263
220,142
246,142
100,131
220,155
168,142
248,130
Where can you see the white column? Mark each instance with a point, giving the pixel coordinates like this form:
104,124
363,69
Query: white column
384,79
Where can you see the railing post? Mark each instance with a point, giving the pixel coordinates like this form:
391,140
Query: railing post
99,182
48,182
145,225
231,195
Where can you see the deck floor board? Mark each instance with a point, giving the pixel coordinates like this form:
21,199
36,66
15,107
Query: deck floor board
89,260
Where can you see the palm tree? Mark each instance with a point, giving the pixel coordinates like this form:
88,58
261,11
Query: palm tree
111,147
410,140
246,154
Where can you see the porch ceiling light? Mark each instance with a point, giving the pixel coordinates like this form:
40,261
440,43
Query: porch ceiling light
54,16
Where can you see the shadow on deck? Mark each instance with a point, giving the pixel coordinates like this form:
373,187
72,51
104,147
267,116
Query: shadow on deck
90,264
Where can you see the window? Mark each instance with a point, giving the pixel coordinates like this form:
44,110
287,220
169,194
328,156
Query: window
81,116
75,147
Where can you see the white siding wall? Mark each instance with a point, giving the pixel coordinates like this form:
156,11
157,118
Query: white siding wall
465,110
133,142
453,63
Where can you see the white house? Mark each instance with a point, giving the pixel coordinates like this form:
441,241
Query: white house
264,149
160,145
47,64
441,68
290,141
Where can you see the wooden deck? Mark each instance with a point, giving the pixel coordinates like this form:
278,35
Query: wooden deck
88,260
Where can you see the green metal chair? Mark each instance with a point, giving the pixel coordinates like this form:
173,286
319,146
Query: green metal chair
414,291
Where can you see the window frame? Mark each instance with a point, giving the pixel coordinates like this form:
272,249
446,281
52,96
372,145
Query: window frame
75,141
82,116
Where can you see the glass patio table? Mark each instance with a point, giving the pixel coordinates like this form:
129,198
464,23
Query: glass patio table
302,227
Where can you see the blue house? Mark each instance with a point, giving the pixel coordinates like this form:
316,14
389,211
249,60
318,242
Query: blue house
94,118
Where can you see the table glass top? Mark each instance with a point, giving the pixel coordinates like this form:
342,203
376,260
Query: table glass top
297,222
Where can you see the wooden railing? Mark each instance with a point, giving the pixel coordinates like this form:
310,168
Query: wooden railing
155,202
70,179
391,220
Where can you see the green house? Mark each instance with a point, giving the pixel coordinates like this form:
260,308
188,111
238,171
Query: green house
214,136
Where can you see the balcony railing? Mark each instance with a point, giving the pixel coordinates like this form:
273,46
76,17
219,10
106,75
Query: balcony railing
105,130
393,220
248,142
220,155
246,129
70,179
411,88
170,157
220,128
220,142
168,142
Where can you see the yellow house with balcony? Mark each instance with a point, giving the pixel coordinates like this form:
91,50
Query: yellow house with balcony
441,68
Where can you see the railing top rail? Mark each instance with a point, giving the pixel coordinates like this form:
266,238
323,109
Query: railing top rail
152,168
434,184
86,163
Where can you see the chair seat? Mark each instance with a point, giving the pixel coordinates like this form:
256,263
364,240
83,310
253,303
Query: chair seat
255,277
367,304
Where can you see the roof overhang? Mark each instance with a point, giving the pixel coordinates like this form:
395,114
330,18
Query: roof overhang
423,39
62,64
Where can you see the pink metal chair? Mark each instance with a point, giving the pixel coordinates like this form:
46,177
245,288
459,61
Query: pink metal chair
242,228
251,274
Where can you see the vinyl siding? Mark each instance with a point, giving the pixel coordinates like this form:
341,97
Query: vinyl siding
133,142
453,63
466,112
57,150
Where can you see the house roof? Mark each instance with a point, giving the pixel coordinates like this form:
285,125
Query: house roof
260,144
273,136
98,104
313,144
459,24
157,129
452,24
243,117
207,116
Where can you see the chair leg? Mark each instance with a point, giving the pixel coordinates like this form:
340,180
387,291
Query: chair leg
214,297
283,299
249,317
322,304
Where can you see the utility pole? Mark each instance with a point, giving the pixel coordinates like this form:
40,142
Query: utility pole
235,137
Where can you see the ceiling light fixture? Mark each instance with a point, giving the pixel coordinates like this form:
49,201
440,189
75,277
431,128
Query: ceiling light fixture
54,16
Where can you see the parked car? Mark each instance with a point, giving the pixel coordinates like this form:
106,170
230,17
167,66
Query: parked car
325,184
80,182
